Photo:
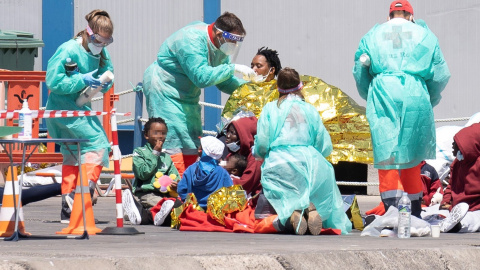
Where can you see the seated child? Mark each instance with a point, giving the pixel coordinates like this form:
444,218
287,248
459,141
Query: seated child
236,165
205,176
147,162
462,195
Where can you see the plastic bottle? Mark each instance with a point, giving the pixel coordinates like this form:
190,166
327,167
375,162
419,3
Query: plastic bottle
89,92
71,67
25,121
365,59
404,216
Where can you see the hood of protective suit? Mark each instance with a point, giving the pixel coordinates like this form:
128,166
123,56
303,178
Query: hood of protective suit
246,130
468,141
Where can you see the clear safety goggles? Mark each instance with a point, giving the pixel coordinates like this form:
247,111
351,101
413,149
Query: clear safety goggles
232,39
98,40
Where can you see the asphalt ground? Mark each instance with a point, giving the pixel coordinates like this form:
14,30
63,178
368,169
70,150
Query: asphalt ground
164,248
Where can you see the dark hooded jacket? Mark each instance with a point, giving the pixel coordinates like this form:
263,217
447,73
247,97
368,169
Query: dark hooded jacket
464,183
246,130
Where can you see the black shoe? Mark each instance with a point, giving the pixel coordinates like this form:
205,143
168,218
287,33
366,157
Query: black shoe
369,219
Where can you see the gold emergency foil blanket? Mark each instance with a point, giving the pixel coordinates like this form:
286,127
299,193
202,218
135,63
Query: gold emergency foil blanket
344,119
226,200
176,212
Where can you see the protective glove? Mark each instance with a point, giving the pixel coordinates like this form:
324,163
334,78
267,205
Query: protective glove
106,85
89,80
437,197
248,73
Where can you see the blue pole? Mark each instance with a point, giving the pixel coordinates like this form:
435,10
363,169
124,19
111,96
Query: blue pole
57,28
211,11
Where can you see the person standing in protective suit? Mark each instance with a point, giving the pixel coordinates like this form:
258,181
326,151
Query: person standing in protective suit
196,56
402,83
88,50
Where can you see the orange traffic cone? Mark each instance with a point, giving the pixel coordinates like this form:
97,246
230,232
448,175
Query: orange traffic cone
76,217
7,213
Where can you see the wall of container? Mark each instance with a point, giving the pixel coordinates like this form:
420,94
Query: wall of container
318,38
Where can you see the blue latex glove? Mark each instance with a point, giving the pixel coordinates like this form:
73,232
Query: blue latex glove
107,85
89,80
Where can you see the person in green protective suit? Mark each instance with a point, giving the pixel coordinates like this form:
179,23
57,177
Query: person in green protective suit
296,177
400,70
194,57
88,51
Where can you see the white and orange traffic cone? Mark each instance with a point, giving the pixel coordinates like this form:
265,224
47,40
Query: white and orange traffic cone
9,202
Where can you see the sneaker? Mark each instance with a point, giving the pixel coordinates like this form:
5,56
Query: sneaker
456,215
130,208
297,223
387,232
65,211
91,186
69,200
314,221
163,213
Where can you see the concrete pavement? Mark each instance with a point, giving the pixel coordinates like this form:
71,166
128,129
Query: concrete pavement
163,248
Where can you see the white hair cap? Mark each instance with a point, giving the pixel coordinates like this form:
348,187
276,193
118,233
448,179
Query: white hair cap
212,147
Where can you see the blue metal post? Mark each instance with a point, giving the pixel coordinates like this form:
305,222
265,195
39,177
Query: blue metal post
57,28
211,11
137,126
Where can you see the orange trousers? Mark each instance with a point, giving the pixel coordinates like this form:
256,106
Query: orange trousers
408,180
70,174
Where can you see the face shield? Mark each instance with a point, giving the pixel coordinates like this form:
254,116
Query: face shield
230,44
97,39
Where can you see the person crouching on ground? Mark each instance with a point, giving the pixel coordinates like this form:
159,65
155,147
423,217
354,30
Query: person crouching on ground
293,142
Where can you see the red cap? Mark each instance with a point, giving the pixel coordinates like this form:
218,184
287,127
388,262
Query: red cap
402,5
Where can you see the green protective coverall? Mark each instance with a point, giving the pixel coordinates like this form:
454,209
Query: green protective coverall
294,143
186,62
65,90
402,84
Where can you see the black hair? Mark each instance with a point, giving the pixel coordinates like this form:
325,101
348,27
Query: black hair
272,58
240,164
152,120
230,22
405,13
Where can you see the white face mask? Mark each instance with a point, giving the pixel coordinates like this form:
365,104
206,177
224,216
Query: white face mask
94,49
227,48
234,147
261,78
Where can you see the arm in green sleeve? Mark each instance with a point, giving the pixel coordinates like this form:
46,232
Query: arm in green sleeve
323,142
192,55
439,76
57,79
230,85
262,139
361,73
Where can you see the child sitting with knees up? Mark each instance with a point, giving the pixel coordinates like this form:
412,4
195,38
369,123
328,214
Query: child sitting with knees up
235,166
148,163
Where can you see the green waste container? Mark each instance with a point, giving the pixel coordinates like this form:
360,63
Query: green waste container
18,50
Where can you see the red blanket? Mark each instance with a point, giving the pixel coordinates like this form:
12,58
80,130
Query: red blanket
244,221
